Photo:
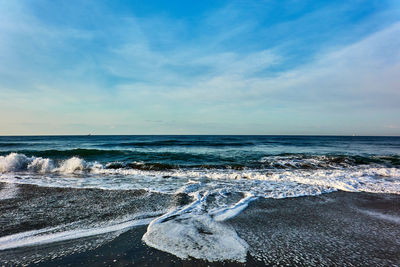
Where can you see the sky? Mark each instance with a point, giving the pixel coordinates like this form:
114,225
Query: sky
200,67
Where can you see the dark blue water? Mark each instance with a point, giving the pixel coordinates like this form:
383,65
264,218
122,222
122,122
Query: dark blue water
208,151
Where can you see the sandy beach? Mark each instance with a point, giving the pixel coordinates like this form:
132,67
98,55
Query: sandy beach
339,228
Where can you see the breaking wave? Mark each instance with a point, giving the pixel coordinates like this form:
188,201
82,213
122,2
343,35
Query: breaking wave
287,180
166,160
15,162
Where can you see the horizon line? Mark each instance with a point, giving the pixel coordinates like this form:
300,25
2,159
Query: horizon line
82,135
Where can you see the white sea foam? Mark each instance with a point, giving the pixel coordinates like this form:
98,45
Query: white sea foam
61,233
72,165
366,179
40,165
197,236
225,213
316,161
192,232
14,162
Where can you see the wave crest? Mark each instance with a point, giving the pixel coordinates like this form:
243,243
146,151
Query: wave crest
15,162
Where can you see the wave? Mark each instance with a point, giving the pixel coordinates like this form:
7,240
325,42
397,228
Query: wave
126,155
15,162
276,183
76,160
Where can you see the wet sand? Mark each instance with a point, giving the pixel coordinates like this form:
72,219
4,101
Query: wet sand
340,228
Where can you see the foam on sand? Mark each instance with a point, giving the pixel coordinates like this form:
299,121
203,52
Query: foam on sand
191,232
222,214
197,236
54,234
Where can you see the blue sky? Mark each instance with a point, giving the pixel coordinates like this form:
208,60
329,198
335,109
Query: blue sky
200,67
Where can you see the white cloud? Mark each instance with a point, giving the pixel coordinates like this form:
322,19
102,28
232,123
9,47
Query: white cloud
129,80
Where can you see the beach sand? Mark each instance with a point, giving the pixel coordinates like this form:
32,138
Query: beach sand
339,228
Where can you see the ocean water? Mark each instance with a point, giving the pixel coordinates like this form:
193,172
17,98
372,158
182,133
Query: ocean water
214,179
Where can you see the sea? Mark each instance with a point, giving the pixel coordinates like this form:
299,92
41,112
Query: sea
200,199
